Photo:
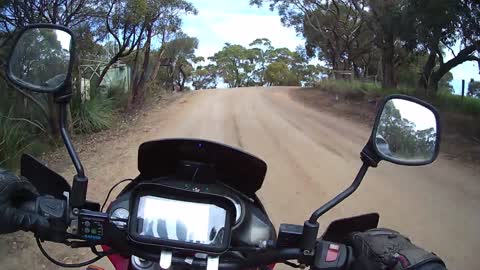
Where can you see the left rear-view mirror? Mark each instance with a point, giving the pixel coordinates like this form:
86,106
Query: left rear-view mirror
406,131
41,59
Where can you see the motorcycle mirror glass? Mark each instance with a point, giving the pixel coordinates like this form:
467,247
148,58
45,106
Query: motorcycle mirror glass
41,59
407,132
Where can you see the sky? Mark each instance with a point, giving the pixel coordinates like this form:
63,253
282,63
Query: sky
236,22
422,117
64,39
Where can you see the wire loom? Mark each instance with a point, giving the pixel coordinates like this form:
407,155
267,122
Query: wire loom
73,265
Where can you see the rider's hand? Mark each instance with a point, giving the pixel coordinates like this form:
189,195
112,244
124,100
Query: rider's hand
378,249
15,191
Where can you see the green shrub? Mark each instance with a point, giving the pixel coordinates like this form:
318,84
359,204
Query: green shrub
93,115
118,96
445,101
455,103
355,90
12,142
16,138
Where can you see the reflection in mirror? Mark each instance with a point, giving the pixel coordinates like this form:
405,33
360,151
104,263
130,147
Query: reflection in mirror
406,132
41,58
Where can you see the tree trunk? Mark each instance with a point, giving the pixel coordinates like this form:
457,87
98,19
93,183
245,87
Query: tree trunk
106,68
182,85
463,56
388,50
156,68
138,90
427,71
171,79
426,75
433,83
53,119
356,71
335,61
136,70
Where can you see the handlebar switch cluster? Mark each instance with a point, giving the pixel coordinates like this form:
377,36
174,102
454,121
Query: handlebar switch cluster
330,256
91,225
50,207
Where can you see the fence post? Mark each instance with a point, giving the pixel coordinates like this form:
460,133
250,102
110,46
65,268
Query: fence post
463,89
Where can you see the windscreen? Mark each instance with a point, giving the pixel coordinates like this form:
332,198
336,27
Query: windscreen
233,167
189,222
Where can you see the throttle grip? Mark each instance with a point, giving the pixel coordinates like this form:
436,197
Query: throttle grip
29,206
46,217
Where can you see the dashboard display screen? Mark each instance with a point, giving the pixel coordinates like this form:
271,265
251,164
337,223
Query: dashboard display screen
189,222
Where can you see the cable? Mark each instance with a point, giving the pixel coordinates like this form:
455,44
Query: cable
72,265
110,191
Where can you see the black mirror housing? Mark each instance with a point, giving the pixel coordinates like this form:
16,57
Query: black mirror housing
28,66
407,131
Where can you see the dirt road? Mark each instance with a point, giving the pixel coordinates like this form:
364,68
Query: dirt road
311,157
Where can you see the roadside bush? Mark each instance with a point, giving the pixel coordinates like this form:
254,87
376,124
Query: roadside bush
93,115
118,97
16,138
454,103
354,90
445,101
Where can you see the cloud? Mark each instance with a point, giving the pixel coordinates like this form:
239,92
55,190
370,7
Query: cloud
219,22
236,22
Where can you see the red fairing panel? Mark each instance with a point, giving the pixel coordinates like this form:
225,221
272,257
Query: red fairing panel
119,262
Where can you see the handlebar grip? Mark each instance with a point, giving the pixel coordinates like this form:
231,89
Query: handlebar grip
45,206
29,206
46,217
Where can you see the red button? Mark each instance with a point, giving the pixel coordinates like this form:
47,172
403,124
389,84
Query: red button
332,255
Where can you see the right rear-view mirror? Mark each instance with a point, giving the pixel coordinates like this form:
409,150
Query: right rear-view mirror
406,131
41,59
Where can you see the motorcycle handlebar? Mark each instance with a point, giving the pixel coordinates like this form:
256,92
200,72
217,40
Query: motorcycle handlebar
264,258
315,262
254,260
56,209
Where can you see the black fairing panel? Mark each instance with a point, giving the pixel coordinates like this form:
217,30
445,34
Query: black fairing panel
45,180
255,228
235,168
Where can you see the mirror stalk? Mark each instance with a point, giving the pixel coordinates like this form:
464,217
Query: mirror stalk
311,226
340,197
80,181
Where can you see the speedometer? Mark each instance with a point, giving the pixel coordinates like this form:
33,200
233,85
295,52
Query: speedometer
120,213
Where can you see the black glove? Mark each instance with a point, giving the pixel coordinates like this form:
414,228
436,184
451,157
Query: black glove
385,249
15,191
